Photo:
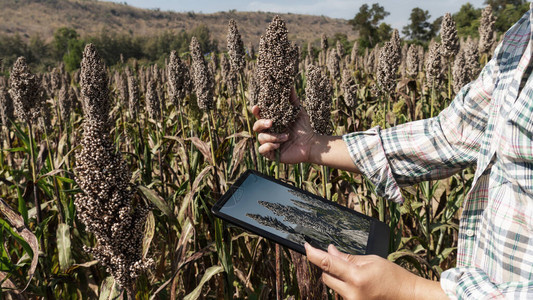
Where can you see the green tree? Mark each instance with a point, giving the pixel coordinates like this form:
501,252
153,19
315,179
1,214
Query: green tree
367,23
509,14
467,20
62,36
72,58
420,28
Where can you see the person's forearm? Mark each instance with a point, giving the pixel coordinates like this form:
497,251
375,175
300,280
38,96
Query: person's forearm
331,151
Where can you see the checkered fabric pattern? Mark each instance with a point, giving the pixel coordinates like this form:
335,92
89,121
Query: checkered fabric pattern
488,125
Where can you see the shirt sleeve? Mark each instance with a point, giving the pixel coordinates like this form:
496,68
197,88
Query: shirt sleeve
426,149
473,283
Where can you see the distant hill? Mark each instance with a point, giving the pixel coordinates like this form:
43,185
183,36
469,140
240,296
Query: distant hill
42,17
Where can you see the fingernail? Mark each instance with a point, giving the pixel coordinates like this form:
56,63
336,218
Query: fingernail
267,122
306,245
284,136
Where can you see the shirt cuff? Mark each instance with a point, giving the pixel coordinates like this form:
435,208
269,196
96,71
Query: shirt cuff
469,283
368,155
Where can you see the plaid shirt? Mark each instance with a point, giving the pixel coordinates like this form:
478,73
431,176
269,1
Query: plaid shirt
490,125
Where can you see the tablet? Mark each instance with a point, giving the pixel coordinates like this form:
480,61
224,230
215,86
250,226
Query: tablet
291,216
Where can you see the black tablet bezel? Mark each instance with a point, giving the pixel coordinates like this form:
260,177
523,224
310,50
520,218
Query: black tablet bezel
378,237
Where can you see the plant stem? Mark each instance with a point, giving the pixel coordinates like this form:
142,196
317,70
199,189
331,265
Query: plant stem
279,274
36,199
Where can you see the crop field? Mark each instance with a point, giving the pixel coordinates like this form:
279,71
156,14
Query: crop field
108,174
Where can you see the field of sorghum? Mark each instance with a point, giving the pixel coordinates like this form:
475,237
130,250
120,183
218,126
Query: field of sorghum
107,176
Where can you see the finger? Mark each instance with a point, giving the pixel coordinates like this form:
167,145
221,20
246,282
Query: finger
335,252
262,125
256,111
294,98
266,148
272,138
328,263
336,284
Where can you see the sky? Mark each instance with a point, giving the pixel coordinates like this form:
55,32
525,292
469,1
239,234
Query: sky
344,9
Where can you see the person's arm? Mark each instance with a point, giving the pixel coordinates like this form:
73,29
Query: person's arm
370,277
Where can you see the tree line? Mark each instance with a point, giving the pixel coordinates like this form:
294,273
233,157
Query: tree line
368,22
114,48
67,45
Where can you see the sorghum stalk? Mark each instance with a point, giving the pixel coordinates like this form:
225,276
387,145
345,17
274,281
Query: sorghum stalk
27,98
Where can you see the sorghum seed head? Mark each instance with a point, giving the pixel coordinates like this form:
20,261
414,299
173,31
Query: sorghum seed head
434,63
153,104
333,63
94,90
235,47
6,108
178,79
349,88
486,29
449,38
412,60
277,64
318,93
202,77
26,92
389,61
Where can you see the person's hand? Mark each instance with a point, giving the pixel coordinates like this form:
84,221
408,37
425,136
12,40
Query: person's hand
370,277
295,145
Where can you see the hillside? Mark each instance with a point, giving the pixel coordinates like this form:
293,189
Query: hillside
42,17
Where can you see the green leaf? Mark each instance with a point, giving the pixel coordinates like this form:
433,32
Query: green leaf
63,246
110,290
210,272
158,201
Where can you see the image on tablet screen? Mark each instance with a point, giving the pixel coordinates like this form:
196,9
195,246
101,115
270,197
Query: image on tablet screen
296,216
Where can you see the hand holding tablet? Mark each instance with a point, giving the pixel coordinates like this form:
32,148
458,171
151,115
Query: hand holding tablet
291,217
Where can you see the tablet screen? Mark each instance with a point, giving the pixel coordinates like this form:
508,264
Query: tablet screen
296,216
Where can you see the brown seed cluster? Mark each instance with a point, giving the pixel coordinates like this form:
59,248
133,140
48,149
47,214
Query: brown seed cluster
277,64
178,79
434,63
229,77
449,38
153,104
333,63
6,108
133,93
235,48
486,30
26,92
349,88
108,206
459,71
202,77
93,82
389,60
318,93
412,61
65,101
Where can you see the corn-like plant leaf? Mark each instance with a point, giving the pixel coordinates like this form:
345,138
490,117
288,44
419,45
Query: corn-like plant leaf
203,147
158,201
190,194
83,265
63,246
210,272
18,225
149,230
110,290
